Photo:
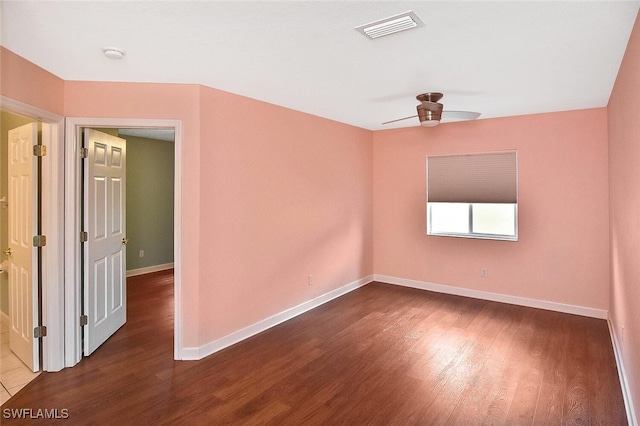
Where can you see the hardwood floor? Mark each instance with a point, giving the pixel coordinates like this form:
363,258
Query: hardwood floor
382,354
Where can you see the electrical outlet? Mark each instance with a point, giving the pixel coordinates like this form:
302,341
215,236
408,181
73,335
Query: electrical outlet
484,272
141,254
310,280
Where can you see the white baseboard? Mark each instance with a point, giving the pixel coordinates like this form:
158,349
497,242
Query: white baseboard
4,318
195,353
495,297
149,269
624,383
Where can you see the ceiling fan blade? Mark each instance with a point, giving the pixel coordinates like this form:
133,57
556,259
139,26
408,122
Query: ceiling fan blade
459,115
399,119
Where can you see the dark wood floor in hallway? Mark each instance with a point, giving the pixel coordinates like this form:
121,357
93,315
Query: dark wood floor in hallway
380,355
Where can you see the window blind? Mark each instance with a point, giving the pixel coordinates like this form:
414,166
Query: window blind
473,178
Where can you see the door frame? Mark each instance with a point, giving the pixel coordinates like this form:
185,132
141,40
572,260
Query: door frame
53,227
72,227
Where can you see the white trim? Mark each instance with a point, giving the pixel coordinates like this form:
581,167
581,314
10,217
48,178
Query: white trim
4,319
495,297
52,253
624,383
177,238
73,303
196,353
149,269
72,206
17,107
53,226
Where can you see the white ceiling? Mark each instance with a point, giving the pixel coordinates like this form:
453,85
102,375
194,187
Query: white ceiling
167,135
500,58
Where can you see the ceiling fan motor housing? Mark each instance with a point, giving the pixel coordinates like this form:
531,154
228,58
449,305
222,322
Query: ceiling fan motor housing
429,110
432,111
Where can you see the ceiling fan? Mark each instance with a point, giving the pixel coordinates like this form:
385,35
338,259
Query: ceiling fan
430,111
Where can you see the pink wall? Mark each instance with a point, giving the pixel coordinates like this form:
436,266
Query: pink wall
624,188
270,196
25,82
562,252
285,195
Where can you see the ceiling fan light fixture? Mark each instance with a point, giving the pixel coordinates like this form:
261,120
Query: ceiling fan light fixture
429,118
429,123
392,24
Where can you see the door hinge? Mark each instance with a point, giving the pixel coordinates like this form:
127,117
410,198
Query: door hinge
84,237
39,241
84,320
84,153
40,331
39,150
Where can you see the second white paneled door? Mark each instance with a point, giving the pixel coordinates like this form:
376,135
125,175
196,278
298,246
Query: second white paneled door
105,291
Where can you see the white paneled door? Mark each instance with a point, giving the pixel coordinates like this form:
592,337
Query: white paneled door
105,292
21,255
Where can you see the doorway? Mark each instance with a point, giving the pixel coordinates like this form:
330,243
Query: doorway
73,225
48,128
20,301
128,219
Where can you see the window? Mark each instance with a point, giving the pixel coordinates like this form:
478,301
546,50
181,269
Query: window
473,195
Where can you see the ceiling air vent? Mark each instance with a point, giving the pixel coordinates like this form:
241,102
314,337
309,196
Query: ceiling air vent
390,25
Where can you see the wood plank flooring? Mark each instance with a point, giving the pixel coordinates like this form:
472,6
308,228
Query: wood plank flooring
380,355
